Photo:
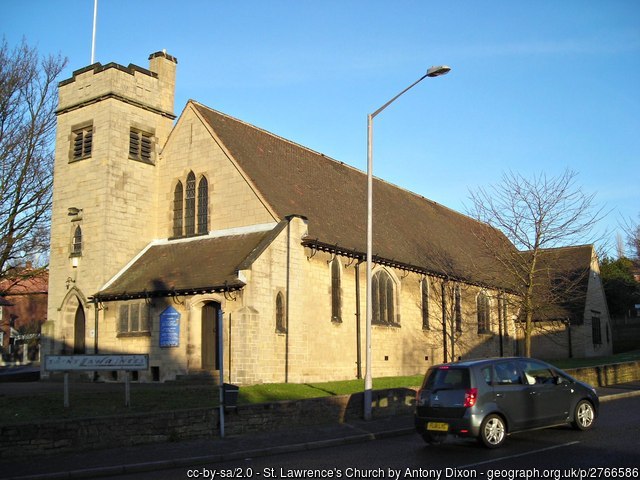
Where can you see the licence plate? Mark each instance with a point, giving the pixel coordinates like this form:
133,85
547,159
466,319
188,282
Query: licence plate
438,426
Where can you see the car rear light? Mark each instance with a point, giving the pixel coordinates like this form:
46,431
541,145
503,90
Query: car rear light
470,397
419,400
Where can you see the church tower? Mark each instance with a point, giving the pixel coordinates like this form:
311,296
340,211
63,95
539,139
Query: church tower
112,124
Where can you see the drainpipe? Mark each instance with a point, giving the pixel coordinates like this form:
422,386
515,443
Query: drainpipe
95,328
501,320
444,322
287,299
96,311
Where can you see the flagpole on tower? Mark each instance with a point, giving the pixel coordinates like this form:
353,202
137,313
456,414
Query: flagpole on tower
93,40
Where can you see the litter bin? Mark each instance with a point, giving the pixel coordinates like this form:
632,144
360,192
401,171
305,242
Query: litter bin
230,394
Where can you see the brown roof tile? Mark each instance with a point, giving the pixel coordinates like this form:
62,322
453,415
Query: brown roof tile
408,229
179,267
562,280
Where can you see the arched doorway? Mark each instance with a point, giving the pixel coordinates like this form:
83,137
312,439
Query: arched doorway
79,331
209,341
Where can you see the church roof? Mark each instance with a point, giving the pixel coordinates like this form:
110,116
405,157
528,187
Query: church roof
562,281
408,230
168,268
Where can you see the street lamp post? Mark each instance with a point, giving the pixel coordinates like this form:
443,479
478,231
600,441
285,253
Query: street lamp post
368,379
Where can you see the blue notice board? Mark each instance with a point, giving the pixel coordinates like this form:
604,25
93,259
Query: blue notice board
170,328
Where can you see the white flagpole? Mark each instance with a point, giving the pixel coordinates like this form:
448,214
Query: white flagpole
93,40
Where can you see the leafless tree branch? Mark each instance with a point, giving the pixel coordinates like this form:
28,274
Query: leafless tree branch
28,98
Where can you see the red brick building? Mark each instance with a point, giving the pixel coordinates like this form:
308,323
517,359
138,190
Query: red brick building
23,310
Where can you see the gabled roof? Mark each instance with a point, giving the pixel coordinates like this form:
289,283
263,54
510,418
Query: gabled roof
562,281
189,266
409,230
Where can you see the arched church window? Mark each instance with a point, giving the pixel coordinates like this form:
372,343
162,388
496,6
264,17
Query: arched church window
190,205
383,293
203,205
281,321
483,312
177,210
76,246
458,309
336,292
424,290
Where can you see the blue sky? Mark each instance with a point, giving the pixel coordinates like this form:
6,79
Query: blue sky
535,86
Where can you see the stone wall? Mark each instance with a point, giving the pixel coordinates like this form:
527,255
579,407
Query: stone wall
604,375
48,438
54,437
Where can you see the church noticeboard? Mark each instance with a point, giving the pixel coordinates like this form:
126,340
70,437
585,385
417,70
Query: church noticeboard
170,328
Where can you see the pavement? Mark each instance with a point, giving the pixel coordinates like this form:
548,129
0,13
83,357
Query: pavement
191,454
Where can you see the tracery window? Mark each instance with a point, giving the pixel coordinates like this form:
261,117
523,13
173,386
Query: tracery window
191,212
383,301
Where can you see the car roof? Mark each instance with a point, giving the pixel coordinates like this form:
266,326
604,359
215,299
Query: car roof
479,361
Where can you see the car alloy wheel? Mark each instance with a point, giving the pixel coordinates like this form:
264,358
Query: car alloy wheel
493,431
584,415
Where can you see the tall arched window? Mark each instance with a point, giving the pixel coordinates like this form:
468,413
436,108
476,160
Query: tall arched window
424,290
177,210
458,309
383,293
336,292
76,247
203,205
190,207
483,313
281,320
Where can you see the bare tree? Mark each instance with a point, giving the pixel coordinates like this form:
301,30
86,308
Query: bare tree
633,238
28,98
535,214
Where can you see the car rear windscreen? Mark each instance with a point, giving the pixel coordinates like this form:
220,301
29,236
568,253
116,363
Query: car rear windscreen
440,378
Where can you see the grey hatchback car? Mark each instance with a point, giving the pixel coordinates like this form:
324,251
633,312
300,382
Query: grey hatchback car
490,398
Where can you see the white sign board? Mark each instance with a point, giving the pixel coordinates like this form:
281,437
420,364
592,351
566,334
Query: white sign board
69,363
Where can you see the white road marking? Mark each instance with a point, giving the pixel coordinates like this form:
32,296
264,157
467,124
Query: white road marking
472,465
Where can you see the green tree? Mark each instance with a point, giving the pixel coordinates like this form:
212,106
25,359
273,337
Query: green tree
621,288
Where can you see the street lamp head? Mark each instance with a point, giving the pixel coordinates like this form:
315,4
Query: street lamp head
437,71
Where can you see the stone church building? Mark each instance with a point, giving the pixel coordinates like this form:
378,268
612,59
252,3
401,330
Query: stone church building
161,225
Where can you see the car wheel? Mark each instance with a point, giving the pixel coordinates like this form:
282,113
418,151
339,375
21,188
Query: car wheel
493,431
584,415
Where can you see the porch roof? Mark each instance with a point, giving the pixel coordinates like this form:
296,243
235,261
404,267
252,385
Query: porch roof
187,267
